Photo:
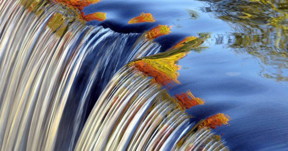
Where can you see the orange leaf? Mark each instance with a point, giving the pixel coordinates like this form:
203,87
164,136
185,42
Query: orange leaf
158,31
100,16
184,41
215,121
188,100
144,17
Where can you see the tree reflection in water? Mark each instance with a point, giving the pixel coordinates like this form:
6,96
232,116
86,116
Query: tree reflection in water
260,29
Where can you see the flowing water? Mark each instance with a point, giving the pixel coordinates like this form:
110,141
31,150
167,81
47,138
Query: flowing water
52,77
65,85
148,119
242,71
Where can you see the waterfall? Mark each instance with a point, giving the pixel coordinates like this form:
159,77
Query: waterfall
52,71
134,114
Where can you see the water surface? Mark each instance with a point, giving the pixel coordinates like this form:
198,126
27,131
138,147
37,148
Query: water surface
243,69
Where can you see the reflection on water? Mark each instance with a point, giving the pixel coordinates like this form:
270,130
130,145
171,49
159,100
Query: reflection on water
193,14
260,29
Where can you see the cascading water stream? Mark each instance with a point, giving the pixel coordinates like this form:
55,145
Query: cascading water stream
50,68
39,72
135,114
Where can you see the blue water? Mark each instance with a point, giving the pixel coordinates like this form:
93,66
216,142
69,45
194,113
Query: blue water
251,89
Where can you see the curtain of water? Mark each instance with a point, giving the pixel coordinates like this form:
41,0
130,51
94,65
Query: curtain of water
41,72
51,81
134,114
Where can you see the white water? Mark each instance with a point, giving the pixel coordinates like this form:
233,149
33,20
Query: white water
134,114
47,84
